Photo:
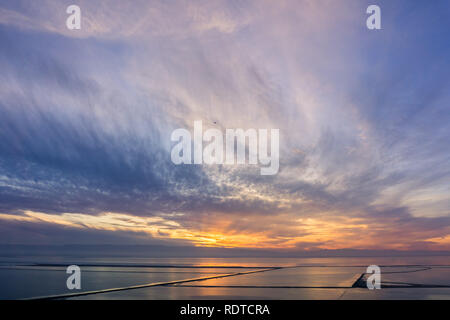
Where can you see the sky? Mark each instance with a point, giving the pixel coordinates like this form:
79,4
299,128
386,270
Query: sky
87,115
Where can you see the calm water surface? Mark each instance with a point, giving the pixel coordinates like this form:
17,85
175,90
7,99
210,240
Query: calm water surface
301,278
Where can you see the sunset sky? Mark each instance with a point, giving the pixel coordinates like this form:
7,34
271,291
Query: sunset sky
86,118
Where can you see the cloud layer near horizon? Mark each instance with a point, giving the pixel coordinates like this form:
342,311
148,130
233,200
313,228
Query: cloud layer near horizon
363,117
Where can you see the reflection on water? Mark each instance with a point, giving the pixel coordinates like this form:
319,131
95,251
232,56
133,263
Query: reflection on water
301,278
251,262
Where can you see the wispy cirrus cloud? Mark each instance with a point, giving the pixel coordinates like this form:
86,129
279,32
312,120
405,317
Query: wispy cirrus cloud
86,122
